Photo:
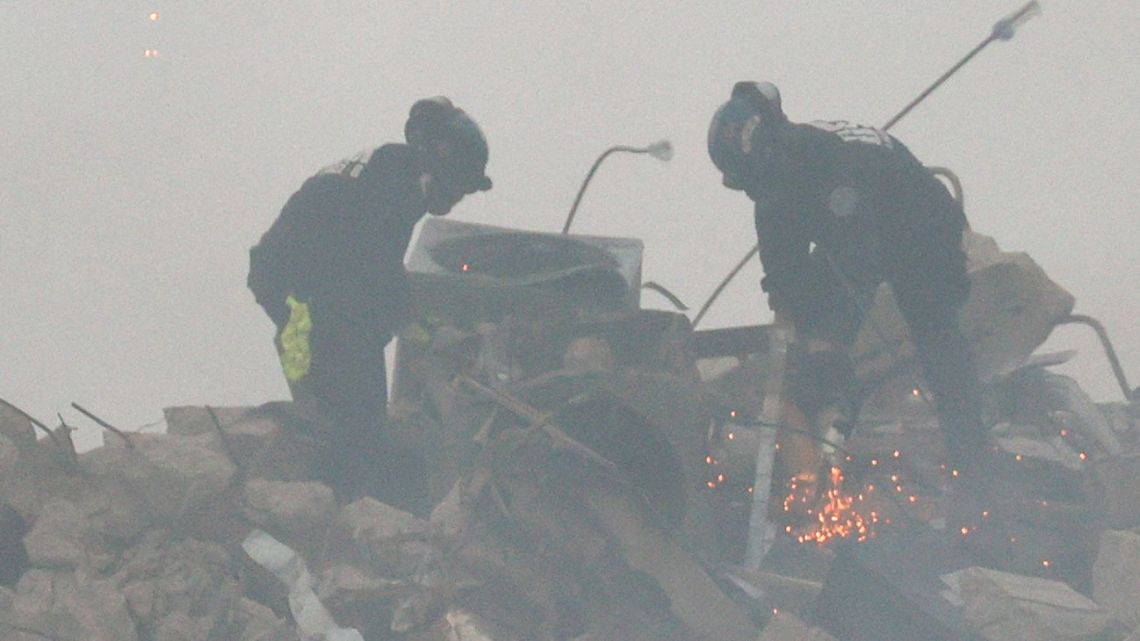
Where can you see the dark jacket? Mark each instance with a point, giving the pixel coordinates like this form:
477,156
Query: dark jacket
868,207
339,244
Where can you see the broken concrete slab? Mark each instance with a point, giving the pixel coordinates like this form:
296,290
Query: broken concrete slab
259,623
1119,476
694,598
69,606
360,600
178,589
15,426
272,441
62,538
17,479
189,420
890,589
297,512
1116,576
175,475
1011,607
790,594
370,534
784,626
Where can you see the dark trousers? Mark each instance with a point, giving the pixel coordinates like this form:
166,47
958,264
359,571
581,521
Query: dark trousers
346,388
930,286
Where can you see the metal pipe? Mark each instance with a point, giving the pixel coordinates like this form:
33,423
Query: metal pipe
1002,30
724,283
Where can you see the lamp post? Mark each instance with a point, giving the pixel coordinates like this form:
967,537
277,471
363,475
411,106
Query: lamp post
661,150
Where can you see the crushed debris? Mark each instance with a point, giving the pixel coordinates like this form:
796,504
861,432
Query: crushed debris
589,470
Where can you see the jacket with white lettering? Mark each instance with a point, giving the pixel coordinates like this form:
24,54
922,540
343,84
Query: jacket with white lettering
339,244
836,198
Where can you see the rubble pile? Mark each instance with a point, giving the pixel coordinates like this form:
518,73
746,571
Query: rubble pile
591,476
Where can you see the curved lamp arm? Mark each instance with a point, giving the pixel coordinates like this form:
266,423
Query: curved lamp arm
661,150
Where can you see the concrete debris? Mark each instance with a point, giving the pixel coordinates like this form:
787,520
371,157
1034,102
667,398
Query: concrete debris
1119,478
1008,607
1115,583
17,486
788,627
70,606
61,538
589,471
176,476
299,512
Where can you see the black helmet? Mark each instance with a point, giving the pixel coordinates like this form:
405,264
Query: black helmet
452,138
741,131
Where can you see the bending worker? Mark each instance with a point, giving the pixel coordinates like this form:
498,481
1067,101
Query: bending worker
841,208
330,274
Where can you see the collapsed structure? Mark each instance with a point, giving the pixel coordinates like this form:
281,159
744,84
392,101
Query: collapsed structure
593,473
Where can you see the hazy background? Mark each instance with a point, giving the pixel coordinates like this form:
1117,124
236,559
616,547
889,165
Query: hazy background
131,187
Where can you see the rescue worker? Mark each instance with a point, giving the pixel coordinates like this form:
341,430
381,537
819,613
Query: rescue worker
330,275
839,209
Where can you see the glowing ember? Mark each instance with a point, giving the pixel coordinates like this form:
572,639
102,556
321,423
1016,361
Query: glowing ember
835,518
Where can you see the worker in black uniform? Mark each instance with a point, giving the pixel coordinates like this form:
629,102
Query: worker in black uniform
330,274
841,208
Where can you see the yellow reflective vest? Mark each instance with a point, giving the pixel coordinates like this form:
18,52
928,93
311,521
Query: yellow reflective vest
296,353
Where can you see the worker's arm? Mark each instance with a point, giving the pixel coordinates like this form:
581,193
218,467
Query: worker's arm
784,255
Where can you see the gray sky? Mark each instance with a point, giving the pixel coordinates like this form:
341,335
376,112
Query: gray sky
131,187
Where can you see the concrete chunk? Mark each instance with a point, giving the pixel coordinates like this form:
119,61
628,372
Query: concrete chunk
1011,607
15,426
178,590
695,599
61,537
71,606
175,475
16,478
1116,576
370,533
298,511
788,627
1120,478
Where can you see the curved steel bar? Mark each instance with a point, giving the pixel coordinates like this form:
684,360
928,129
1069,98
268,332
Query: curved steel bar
590,175
724,283
1109,351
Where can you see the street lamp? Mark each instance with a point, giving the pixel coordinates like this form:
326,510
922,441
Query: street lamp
661,150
